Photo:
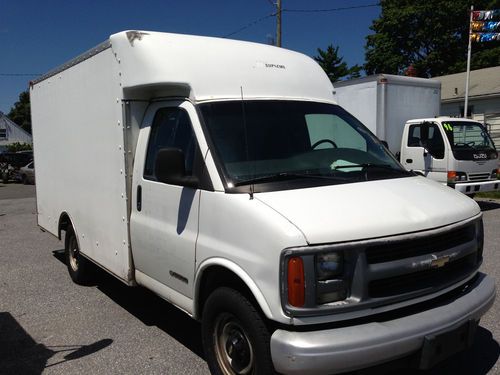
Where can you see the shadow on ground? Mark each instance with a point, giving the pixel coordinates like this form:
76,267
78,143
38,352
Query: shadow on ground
21,354
487,205
150,309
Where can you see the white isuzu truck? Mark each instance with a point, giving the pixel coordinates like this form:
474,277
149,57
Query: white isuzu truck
404,111
222,176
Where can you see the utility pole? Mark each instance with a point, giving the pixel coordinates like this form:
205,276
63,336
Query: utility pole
278,23
467,79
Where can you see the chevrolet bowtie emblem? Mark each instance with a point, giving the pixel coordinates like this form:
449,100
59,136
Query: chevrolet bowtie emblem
439,262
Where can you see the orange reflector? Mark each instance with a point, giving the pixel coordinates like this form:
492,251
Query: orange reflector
296,284
452,176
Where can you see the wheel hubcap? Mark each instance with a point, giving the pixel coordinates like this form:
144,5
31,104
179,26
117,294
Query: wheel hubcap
233,348
73,254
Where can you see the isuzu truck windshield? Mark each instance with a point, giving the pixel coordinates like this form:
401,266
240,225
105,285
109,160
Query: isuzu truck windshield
288,144
469,140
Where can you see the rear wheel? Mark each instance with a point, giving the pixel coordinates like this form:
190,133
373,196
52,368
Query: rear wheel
235,336
24,179
79,268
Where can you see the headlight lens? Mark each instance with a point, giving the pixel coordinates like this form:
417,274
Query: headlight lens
329,265
454,176
330,285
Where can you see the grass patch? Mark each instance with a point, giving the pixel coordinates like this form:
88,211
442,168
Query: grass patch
489,194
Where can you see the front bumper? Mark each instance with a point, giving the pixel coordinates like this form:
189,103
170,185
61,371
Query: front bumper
350,348
476,187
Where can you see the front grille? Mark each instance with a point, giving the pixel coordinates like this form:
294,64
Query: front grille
436,278
478,176
391,251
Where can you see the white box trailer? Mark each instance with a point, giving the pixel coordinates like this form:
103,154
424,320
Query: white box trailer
385,102
222,176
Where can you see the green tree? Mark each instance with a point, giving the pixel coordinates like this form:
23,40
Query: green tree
431,35
334,66
20,113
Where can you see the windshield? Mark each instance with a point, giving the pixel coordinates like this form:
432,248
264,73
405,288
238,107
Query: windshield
294,144
468,139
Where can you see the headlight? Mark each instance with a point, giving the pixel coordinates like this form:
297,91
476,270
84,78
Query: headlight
454,176
330,286
329,265
316,277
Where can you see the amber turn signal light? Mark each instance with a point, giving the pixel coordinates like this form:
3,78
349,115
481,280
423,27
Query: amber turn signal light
296,283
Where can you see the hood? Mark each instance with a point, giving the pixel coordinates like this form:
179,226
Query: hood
370,209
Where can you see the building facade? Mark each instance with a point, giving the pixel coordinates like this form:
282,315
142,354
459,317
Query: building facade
11,133
484,98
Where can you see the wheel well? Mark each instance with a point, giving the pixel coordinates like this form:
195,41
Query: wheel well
217,276
64,224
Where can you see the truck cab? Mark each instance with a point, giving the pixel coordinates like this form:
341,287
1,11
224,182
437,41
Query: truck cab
453,151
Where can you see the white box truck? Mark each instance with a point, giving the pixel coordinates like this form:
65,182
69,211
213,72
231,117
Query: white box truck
222,176
404,112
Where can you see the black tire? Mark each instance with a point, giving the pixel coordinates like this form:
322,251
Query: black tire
235,336
79,268
24,179
5,177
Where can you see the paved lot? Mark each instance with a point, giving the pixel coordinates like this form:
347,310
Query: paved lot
50,325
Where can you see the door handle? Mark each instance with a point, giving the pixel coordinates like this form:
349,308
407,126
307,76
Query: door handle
409,161
139,197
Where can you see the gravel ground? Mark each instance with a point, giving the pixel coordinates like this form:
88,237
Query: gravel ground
50,325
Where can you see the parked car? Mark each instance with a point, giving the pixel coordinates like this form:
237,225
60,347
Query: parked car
26,174
11,162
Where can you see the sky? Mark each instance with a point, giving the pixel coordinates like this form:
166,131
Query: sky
39,35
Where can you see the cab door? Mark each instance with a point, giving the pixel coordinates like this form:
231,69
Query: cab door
164,217
426,153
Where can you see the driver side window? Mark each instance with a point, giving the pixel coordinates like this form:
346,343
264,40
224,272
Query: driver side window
434,144
171,128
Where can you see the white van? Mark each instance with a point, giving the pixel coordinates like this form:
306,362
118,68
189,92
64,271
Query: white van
221,175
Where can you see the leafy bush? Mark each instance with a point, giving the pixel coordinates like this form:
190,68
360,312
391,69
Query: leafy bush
18,146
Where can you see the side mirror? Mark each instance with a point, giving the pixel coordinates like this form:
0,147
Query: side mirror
170,168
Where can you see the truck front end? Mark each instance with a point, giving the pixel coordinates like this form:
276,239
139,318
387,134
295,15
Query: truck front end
374,263
473,162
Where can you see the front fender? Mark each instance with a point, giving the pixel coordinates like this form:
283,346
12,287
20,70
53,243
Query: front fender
238,271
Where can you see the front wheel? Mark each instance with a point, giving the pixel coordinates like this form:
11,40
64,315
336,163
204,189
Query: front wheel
235,336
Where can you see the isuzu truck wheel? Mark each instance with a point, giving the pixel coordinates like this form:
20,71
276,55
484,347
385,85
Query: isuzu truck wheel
78,267
235,337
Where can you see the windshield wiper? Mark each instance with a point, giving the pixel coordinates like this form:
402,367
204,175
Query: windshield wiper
373,165
287,176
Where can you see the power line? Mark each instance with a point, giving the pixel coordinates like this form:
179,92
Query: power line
329,10
253,23
249,25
